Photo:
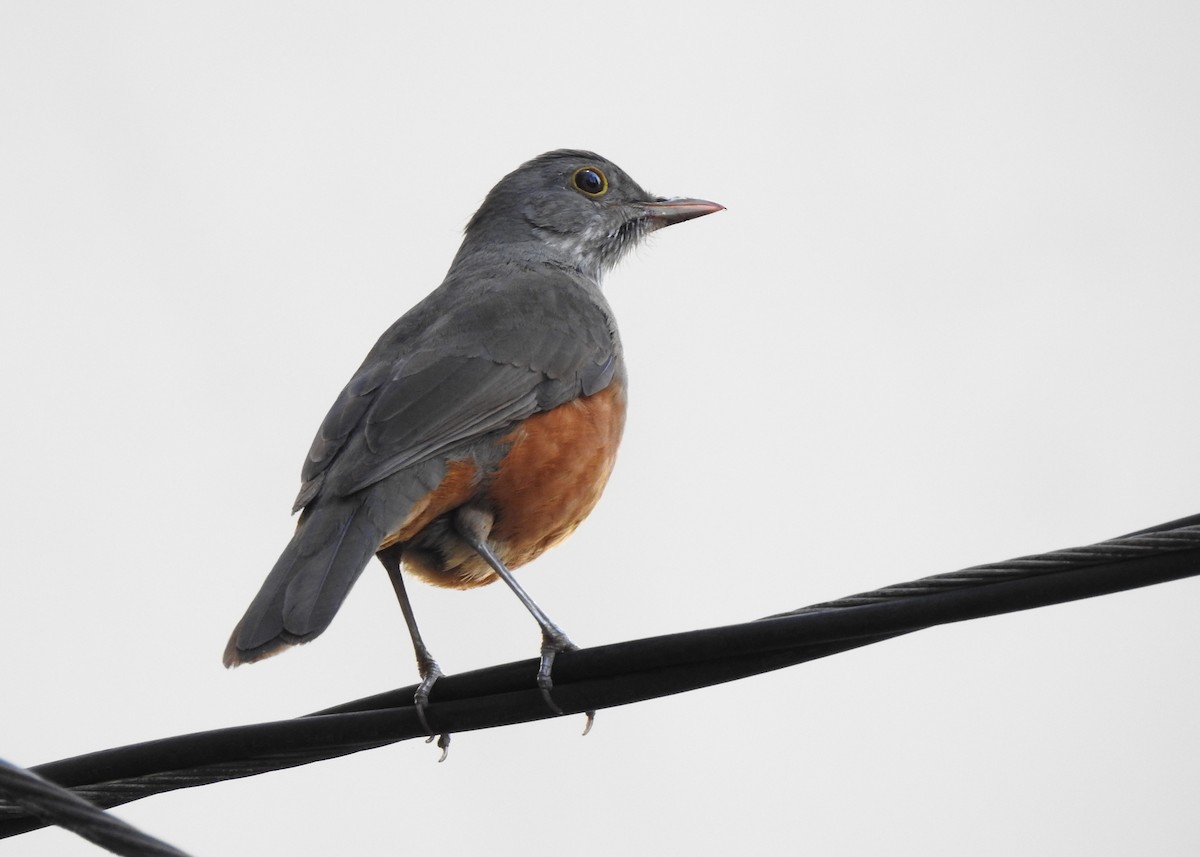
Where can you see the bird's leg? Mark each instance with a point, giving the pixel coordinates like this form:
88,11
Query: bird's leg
474,525
427,667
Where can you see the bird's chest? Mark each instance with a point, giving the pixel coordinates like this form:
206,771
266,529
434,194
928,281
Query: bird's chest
550,473
554,472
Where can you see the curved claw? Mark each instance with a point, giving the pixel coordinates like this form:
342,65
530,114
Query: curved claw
443,743
591,720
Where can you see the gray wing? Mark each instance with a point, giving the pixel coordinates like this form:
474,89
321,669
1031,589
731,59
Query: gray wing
489,358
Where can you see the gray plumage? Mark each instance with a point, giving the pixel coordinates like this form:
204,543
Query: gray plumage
519,326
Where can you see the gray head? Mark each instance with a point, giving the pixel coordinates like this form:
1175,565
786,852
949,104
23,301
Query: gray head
571,207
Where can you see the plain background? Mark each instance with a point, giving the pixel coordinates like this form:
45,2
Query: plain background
951,316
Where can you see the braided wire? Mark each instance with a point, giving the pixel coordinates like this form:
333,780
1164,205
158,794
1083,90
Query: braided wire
1133,546
617,674
56,805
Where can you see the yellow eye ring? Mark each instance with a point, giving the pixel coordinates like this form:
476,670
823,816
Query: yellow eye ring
590,181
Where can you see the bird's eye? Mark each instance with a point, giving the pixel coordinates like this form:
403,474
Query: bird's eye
591,181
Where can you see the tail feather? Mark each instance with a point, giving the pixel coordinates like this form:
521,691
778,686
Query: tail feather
329,550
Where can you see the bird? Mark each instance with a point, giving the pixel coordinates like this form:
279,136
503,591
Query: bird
482,427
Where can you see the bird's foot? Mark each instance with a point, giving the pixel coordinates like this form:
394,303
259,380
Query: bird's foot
430,673
553,642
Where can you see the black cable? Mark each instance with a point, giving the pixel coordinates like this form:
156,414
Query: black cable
618,674
55,805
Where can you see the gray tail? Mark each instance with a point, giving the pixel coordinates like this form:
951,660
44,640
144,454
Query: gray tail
331,547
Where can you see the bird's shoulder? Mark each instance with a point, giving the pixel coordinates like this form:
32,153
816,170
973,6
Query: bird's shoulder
483,351
539,316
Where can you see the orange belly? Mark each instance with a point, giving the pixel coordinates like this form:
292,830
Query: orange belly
548,481
554,473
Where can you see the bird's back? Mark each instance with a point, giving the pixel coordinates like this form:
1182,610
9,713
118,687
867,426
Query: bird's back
502,365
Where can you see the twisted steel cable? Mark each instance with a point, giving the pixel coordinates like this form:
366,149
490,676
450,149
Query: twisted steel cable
1164,538
621,673
55,805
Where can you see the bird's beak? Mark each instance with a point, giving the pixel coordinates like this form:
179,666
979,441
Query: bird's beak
664,212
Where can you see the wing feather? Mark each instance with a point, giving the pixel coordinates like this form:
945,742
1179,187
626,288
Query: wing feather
488,357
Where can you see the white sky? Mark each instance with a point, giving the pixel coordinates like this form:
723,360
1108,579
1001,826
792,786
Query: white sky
949,317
